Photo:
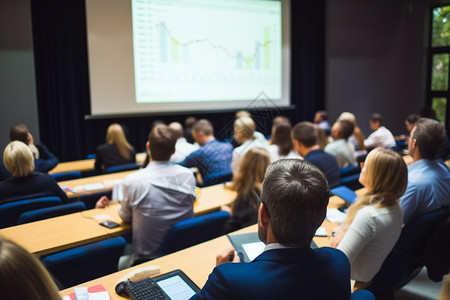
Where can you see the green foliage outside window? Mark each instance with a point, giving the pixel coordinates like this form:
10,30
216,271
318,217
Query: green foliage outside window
441,27
440,105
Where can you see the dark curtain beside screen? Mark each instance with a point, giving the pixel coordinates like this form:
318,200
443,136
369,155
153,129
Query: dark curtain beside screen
62,78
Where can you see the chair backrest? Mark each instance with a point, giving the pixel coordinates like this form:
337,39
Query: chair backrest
194,231
362,295
347,171
66,175
217,178
10,212
408,256
121,168
351,182
50,212
77,265
345,193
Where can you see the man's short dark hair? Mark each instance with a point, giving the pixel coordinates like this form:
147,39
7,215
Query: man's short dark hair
204,126
376,117
430,136
296,195
162,141
346,129
305,133
19,133
323,115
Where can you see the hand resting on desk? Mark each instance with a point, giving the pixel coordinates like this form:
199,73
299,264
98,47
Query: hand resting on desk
102,202
230,255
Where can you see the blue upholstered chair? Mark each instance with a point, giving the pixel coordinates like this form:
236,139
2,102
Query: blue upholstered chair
62,176
50,212
194,231
347,171
345,193
90,199
217,178
362,295
408,255
351,181
121,168
10,212
77,265
91,155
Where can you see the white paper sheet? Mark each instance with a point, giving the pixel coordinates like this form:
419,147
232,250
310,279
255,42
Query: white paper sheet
253,249
335,216
321,232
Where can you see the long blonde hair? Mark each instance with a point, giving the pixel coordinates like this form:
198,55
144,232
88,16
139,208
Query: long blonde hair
22,275
251,170
116,136
386,179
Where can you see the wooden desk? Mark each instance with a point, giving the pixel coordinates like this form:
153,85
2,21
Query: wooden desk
197,261
108,180
85,165
65,232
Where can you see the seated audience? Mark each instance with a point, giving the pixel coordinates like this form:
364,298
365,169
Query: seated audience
116,151
411,121
322,138
189,122
357,138
341,148
25,183
23,276
213,157
156,197
304,138
182,147
258,135
321,119
244,133
294,199
44,160
247,182
281,143
374,222
277,120
428,179
381,136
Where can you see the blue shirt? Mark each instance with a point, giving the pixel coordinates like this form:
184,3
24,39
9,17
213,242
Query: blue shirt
327,163
213,157
428,188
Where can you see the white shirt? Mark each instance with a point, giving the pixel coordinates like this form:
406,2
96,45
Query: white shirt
274,155
343,151
155,198
381,137
369,239
182,150
239,152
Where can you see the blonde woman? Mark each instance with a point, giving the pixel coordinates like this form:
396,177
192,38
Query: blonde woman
25,183
116,151
247,182
374,221
358,137
22,276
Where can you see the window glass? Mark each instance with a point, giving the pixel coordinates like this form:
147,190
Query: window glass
440,105
441,27
439,73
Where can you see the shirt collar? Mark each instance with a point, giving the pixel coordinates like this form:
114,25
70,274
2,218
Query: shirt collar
273,246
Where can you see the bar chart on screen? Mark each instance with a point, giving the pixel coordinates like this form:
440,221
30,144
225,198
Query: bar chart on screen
202,50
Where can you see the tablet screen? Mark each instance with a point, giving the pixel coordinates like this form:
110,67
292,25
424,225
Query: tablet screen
176,288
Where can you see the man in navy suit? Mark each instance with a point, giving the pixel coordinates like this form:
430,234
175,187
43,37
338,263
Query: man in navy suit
294,199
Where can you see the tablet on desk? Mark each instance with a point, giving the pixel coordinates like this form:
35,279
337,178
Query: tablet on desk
177,285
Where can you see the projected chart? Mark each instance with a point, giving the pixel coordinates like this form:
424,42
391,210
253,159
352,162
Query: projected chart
187,50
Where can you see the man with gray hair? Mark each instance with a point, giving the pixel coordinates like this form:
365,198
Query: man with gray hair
293,204
182,147
428,179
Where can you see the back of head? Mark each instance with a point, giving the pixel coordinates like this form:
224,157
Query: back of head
115,135
348,116
203,126
346,129
295,193
281,119
305,133
376,117
412,118
323,115
243,113
430,136
189,122
245,126
282,138
177,129
19,133
22,276
162,141
251,170
386,174
18,159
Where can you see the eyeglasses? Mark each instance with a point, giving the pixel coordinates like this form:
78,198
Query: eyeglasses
265,206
